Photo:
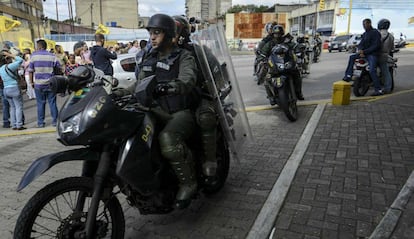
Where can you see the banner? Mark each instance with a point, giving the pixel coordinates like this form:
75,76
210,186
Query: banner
25,43
50,44
102,29
6,24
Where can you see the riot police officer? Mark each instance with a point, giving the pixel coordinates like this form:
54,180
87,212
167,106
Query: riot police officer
175,71
279,36
205,112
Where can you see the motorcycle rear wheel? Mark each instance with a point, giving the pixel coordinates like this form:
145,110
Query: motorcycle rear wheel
361,85
50,213
287,103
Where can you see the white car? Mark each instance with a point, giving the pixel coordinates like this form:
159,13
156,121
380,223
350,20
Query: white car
124,70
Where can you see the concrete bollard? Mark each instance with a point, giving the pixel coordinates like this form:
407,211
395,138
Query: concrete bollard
341,94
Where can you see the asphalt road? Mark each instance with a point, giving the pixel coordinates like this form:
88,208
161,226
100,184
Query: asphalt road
317,85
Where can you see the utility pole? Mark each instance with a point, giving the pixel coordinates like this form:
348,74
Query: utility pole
100,10
349,17
92,16
57,17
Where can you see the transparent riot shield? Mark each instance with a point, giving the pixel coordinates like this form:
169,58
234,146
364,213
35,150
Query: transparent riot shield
217,68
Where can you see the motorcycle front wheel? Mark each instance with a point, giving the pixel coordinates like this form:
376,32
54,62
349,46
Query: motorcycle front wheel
287,103
361,85
60,210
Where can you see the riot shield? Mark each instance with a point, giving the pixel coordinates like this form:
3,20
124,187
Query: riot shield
217,68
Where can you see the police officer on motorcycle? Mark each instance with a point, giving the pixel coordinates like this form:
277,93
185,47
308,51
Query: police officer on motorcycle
176,74
268,29
205,112
279,37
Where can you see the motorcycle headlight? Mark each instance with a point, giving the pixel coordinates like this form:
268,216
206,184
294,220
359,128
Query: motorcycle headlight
71,125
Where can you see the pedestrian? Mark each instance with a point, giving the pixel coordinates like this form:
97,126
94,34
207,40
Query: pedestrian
5,106
71,65
369,48
29,90
142,44
101,56
41,68
63,59
9,65
178,70
387,46
85,54
135,47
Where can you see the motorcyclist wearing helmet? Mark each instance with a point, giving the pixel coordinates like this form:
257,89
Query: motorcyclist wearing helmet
317,41
387,47
205,112
175,71
268,30
279,37
302,47
368,47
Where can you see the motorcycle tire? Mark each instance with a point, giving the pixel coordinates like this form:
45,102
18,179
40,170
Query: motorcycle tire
53,199
223,165
361,85
287,103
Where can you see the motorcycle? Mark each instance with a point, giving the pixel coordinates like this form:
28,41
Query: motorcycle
303,52
362,78
121,154
316,49
281,63
401,42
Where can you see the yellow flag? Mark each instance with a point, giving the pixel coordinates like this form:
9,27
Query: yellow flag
50,44
411,20
102,29
25,43
6,24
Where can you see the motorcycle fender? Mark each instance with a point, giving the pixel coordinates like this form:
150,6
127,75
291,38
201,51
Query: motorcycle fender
44,163
279,82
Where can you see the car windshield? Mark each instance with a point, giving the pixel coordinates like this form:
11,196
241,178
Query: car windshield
342,38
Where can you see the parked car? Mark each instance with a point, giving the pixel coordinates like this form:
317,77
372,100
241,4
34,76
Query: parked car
339,43
124,69
353,43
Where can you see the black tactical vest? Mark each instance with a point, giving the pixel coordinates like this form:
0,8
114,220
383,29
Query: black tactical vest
165,70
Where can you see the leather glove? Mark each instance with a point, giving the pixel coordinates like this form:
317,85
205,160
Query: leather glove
163,89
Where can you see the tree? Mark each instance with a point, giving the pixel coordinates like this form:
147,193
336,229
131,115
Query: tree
248,8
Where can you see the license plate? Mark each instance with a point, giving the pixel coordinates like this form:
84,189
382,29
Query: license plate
357,73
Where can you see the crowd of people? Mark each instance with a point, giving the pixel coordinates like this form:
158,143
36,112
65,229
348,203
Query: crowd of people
28,72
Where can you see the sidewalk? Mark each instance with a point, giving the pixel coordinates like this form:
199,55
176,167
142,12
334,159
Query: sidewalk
349,180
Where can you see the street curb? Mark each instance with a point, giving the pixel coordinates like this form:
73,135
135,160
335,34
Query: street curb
266,218
388,223
28,132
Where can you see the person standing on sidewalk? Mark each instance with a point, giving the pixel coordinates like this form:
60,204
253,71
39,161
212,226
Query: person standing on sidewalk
12,92
41,68
387,47
101,56
26,57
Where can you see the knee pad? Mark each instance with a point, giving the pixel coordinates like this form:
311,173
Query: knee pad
172,146
206,117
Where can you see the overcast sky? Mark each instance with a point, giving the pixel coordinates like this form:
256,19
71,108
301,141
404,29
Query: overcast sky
150,7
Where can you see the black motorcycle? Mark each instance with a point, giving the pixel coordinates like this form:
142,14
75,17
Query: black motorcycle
120,154
281,64
362,78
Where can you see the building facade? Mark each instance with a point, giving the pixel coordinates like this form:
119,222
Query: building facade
29,14
120,13
207,10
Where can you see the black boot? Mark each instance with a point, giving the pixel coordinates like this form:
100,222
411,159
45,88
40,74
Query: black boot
187,186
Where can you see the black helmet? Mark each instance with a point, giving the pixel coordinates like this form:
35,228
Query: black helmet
278,29
384,24
183,26
164,22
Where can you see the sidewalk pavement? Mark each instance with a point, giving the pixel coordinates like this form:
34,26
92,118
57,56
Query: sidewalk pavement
353,180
